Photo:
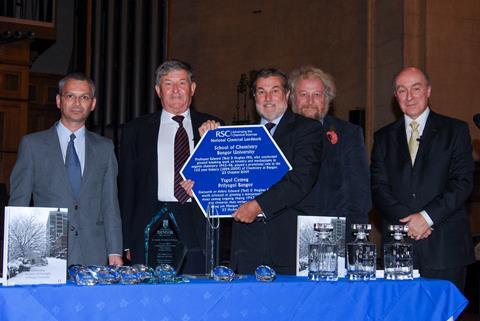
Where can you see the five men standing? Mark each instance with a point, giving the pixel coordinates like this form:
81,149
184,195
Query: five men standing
421,173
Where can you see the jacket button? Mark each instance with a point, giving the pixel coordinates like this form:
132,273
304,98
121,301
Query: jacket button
76,207
413,195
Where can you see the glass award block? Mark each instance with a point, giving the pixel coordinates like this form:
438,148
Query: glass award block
145,273
104,274
397,255
265,273
223,273
322,255
361,255
85,277
128,275
72,271
162,241
165,273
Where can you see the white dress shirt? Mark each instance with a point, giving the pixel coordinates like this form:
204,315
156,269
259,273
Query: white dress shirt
165,153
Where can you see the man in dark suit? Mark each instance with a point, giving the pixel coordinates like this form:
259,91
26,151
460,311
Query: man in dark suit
343,184
70,167
422,174
271,239
147,179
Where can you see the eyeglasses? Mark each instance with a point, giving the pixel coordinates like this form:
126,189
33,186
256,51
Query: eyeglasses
71,98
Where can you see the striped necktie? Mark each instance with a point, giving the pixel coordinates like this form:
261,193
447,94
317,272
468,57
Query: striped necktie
181,153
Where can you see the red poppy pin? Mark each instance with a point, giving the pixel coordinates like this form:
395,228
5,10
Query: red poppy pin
332,137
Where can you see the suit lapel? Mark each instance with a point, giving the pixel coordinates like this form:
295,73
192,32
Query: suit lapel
281,134
196,123
429,133
328,125
90,160
400,137
151,139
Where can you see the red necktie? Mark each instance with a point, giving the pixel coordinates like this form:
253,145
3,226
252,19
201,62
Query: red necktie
181,153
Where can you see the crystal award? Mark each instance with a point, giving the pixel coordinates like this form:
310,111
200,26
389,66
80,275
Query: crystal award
265,273
361,255
162,241
397,255
322,255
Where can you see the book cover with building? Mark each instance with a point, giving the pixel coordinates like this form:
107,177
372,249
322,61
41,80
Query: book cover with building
35,245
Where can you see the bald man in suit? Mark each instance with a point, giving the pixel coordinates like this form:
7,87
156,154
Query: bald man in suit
422,174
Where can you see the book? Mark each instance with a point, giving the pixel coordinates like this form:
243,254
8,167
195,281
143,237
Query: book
35,245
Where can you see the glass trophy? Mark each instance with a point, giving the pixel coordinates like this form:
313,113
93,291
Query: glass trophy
397,255
165,273
212,240
84,276
265,273
361,255
323,254
72,271
104,274
223,273
128,275
162,241
145,273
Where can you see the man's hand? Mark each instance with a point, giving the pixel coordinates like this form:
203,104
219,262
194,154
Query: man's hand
206,126
115,260
188,186
247,212
418,228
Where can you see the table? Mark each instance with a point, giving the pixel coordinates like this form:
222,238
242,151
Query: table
287,298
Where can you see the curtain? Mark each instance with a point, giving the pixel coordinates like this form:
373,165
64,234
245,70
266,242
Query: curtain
128,38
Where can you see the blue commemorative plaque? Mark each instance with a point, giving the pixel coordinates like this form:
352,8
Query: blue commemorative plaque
233,164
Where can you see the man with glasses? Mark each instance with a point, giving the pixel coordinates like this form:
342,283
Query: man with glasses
271,239
422,174
68,166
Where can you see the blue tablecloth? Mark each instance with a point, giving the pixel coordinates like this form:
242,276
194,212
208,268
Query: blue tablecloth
287,298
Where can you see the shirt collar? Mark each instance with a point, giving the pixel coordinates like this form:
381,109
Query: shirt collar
421,120
263,121
65,132
167,117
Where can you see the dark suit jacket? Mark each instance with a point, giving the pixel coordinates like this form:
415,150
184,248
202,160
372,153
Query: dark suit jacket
273,241
94,217
439,183
138,180
343,183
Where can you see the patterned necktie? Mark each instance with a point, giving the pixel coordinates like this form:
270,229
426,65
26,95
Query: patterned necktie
181,153
414,140
72,165
269,126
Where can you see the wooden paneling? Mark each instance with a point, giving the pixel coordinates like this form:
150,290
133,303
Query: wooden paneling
42,109
14,74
